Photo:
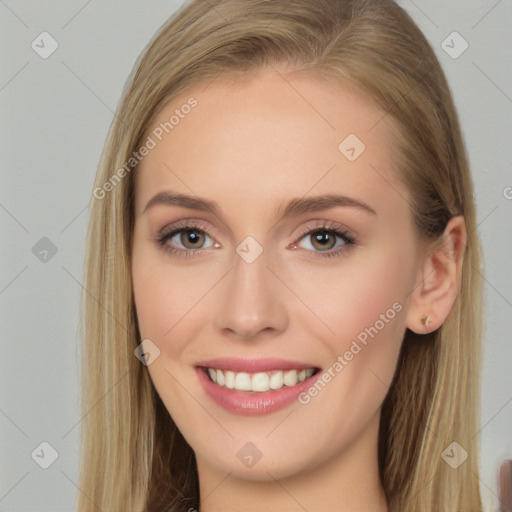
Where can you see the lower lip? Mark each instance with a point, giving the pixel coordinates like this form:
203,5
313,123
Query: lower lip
252,403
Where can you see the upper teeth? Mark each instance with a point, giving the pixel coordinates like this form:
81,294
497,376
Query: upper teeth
263,381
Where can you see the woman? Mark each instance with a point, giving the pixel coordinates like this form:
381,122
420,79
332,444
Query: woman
282,308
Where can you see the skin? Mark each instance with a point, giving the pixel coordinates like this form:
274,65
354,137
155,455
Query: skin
252,146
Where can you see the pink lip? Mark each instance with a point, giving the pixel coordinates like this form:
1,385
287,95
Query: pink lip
238,364
249,403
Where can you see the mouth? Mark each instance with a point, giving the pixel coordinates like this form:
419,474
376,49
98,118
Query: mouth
260,382
254,387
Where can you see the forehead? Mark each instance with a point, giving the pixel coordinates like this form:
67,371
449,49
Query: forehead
269,135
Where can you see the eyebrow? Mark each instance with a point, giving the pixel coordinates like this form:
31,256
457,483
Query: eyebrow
294,207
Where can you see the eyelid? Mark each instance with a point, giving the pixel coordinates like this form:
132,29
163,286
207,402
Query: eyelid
185,224
326,225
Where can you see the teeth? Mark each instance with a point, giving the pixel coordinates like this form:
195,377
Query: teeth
229,378
259,382
290,378
276,380
243,382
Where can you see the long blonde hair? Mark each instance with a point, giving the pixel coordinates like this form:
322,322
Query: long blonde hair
133,458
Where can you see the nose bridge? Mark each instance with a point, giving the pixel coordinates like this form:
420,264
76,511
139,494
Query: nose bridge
251,299
250,271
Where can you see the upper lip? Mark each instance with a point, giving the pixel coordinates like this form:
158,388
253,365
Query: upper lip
239,364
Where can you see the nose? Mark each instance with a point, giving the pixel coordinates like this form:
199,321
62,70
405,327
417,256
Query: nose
251,302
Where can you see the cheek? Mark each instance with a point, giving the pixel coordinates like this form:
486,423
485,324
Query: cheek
168,299
353,296
365,309
169,313
156,295
363,304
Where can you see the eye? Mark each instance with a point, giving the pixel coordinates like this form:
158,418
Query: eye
190,238
184,239
328,239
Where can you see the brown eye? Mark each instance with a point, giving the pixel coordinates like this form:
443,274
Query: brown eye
184,240
192,238
327,241
323,240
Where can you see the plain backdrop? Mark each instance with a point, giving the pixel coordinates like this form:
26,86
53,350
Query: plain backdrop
55,113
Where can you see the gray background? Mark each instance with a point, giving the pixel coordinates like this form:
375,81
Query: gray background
55,115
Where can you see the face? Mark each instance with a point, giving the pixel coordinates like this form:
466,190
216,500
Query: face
278,318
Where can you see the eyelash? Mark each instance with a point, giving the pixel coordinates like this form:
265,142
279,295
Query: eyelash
323,226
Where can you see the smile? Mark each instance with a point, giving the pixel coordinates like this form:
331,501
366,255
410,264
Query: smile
254,387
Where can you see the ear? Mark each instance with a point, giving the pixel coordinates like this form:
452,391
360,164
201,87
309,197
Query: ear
439,276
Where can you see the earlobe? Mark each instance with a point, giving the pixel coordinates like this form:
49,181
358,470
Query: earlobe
439,276
425,320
